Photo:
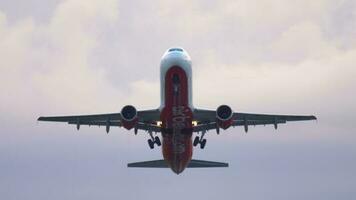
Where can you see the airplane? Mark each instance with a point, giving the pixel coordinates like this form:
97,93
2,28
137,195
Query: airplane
176,118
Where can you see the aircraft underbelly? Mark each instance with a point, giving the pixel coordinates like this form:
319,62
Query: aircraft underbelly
176,120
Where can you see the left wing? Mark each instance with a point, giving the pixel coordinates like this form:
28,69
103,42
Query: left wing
146,120
207,119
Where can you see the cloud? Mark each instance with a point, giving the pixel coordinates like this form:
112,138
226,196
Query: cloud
51,65
303,41
47,65
307,73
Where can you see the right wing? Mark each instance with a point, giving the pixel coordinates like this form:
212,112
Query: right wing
83,118
146,120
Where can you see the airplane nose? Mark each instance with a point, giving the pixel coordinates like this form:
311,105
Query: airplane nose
176,56
171,60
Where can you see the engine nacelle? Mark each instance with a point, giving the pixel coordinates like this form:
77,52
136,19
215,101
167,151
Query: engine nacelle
224,116
129,117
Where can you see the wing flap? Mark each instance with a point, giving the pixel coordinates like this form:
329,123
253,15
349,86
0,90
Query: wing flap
258,122
111,123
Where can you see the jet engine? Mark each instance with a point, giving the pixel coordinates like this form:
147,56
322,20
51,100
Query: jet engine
224,116
129,117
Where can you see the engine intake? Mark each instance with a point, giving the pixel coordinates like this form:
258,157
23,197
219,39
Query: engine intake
224,116
129,117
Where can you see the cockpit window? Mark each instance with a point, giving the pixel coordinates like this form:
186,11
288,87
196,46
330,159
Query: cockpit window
175,49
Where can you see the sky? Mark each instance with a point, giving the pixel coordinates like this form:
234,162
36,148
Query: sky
63,57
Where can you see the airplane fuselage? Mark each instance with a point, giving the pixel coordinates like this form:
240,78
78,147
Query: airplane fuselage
176,109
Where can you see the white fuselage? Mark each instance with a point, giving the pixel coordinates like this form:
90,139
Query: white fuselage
176,58
176,109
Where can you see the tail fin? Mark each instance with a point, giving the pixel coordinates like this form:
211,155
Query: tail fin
163,164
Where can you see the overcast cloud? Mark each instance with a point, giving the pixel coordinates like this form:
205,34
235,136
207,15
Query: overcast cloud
95,56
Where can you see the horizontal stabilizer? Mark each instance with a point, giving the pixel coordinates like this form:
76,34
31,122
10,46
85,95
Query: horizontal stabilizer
163,164
204,164
149,164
